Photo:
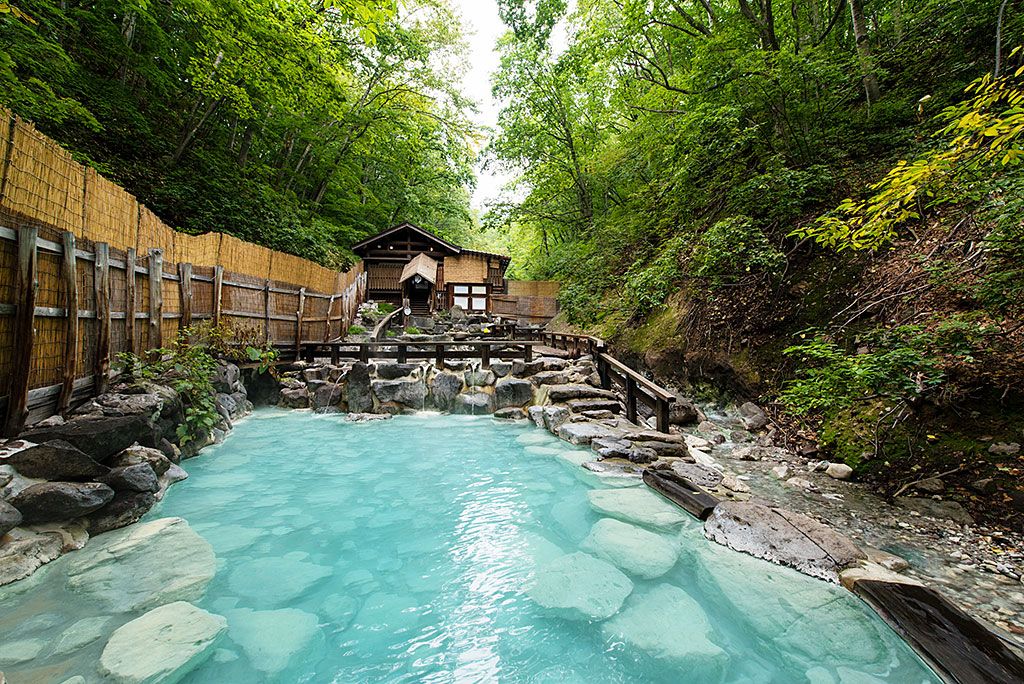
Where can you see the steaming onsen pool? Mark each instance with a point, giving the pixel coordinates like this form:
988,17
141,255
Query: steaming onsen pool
459,549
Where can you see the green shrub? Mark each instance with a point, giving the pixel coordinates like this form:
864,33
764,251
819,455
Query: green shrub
356,330
386,308
412,330
580,303
649,284
733,249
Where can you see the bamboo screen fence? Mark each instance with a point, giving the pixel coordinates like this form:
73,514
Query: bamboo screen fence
72,241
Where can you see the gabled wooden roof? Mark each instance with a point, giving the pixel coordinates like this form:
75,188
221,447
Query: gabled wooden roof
421,265
430,237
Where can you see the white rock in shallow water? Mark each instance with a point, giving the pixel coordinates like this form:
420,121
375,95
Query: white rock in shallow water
143,565
668,625
272,638
631,548
580,587
636,505
17,652
275,581
163,645
81,634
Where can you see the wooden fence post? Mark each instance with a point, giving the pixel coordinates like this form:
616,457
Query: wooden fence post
156,298
485,356
129,300
439,356
327,325
630,399
24,331
663,409
185,293
403,353
218,288
70,277
266,310
299,314
102,282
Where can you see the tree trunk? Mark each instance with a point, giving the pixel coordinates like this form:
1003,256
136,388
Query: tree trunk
860,33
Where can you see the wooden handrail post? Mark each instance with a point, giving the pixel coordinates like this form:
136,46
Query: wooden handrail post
527,353
604,372
102,369
662,413
185,293
630,399
327,323
218,289
402,352
24,331
156,298
266,310
69,271
334,355
439,356
364,352
299,313
129,301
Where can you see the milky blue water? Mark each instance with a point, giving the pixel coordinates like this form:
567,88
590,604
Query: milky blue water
405,550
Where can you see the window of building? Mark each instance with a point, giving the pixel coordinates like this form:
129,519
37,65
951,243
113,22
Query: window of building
469,297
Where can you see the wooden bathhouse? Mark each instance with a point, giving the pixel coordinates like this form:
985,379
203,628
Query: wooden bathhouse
407,262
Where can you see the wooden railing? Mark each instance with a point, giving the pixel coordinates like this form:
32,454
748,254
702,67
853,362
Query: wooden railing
403,352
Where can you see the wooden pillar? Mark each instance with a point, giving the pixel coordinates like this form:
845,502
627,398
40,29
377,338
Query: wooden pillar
102,282
334,355
299,313
485,356
604,373
266,310
630,399
218,289
129,300
439,356
25,286
662,411
327,323
527,353
185,293
69,274
403,353
364,352
156,298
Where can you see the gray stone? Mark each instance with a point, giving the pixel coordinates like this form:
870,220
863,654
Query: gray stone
100,437
260,579
668,625
474,403
554,417
295,398
81,634
226,378
683,412
583,433
314,374
272,638
143,566
501,369
444,389
393,371
55,460
578,586
410,393
20,651
700,475
52,501
664,449
10,517
510,413
782,537
931,485
557,393
358,388
329,395
942,510
839,471
117,404
479,378
367,417
550,377
522,369
599,415
135,455
137,478
584,405
512,392
1004,448
986,485
125,508
632,549
163,645
753,416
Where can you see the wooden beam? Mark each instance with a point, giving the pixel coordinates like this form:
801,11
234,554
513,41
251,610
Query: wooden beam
630,399
69,274
129,301
156,298
185,292
102,283
266,310
298,322
218,289
24,331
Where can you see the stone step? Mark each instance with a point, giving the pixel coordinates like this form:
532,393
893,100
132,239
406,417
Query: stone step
568,392
581,405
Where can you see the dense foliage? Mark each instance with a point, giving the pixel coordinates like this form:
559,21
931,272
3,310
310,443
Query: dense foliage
302,126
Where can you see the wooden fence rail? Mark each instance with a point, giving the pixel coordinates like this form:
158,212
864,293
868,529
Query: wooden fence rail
485,350
55,361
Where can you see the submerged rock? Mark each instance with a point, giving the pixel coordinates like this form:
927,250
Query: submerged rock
631,549
670,626
358,388
444,389
942,510
125,508
410,393
272,638
143,566
637,505
275,581
52,501
81,634
10,517
584,433
512,392
55,460
163,645
578,586
782,537
474,403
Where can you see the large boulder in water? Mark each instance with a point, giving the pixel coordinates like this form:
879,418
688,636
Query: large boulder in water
578,586
163,645
630,548
512,392
410,393
783,537
53,501
444,389
142,566
136,455
139,477
125,508
474,403
637,505
358,388
98,436
55,460
670,626
272,638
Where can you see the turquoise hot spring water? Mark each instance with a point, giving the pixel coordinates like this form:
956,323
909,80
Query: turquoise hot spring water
433,548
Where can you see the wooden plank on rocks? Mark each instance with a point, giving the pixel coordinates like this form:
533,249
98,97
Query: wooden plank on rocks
682,492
